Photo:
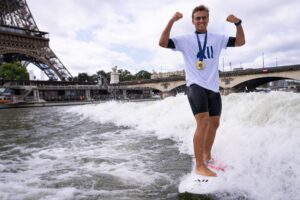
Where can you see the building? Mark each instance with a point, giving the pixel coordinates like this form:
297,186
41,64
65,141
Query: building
159,75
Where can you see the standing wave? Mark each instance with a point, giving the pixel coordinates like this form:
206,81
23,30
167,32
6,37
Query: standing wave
258,138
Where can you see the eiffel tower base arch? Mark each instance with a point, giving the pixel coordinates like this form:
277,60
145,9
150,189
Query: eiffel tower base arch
21,40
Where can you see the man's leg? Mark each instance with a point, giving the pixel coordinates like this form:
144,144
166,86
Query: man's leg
209,137
202,120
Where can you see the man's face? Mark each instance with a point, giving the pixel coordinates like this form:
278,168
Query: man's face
200,20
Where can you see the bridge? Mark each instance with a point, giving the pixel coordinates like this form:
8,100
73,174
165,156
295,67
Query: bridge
231,81
41,92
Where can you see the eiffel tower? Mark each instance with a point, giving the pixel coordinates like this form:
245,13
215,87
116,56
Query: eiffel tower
21,40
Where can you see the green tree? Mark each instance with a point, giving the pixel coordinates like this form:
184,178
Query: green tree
125,75
74,78
83,77
108,77
102,74
13,71
142,75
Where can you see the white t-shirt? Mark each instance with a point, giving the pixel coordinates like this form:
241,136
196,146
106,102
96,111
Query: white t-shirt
209,76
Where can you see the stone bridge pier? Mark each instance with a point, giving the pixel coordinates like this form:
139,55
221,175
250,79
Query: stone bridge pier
168,94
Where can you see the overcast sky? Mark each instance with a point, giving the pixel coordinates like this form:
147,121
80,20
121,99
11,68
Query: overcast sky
93,35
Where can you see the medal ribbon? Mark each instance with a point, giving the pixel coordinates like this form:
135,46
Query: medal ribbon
201,53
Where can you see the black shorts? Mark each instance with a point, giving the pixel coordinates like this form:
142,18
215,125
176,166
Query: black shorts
204,100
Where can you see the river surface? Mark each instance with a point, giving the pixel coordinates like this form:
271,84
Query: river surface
141,150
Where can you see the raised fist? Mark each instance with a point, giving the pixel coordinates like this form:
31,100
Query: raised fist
177,16
232,19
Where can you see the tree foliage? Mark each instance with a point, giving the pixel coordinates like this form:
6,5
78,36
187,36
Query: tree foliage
84,77
13,71
103,76
141,75
124,75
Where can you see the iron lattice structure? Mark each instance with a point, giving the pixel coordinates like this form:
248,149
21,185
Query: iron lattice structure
21,40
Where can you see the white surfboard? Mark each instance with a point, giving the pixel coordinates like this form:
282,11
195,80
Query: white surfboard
197,184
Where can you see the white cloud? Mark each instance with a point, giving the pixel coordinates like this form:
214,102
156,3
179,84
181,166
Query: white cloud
90,34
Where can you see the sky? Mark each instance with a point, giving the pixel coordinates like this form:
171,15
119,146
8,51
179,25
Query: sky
92,35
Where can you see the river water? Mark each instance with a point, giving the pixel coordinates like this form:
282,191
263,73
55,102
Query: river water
141,150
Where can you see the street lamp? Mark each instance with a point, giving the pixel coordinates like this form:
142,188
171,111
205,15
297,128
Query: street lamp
263,60
223,64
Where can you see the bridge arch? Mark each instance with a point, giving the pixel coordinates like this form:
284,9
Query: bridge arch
32,57
179,89
251,83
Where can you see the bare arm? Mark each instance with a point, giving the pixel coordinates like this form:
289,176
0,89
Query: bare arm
240,36
165,36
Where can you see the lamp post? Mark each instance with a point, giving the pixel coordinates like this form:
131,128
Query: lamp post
263,60
223,64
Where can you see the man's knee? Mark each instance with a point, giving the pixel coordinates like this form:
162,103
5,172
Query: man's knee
202,120
215,125
214,122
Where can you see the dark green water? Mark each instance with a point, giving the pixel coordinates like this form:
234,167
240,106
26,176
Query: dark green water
48,153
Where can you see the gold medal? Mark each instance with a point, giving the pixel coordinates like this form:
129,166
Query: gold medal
200,65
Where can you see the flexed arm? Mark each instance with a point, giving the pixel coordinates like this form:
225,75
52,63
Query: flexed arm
165,36
240,36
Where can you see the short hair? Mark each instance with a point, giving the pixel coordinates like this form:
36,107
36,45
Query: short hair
200,8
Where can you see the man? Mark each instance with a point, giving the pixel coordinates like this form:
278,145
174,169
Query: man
201,51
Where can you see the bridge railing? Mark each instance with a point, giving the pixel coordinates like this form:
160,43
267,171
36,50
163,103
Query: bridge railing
134,82
250,71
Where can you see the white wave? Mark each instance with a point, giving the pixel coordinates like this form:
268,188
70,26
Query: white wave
258,136
169,118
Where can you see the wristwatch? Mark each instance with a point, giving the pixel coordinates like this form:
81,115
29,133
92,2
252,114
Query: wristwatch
238,23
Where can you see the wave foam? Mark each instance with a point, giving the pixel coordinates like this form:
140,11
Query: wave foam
258,136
